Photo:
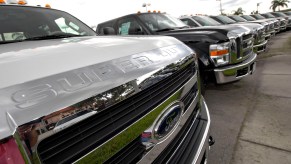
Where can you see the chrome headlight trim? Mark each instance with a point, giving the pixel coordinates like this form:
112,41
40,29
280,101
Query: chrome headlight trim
220,59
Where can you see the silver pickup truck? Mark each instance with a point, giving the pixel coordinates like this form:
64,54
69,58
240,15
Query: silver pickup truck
70,96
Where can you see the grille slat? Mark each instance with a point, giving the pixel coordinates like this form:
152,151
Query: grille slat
248,36
132,152
188,98
74,142
239,48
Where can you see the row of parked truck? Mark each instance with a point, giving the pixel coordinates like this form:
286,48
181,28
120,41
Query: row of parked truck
70,94
226,45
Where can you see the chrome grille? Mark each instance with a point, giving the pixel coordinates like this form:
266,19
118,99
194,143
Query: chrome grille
277,24
76,141
271,25
245,46
266,28
261,36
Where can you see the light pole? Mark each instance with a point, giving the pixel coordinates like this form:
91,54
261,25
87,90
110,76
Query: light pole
220,7
146,5
258,4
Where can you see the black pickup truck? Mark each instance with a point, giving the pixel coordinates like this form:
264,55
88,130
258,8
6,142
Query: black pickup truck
259,35
268,16
225,53
282,15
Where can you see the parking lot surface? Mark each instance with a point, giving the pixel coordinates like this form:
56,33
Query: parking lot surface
251,117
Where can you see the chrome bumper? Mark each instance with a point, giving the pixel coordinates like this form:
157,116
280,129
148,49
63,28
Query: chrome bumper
260,47
283,27
204,147
268,36
277,30
236,72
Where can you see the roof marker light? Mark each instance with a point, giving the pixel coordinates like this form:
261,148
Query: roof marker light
21,2
48,6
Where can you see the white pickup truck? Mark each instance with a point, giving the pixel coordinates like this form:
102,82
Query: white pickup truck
142,92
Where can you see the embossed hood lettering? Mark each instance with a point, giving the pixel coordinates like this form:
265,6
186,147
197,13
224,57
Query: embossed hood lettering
49,88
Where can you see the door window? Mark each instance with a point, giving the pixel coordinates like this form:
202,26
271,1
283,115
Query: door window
129,26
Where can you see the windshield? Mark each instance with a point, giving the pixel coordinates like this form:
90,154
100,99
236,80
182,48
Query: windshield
159,22
225,19
288,13
206,21
268,15
19,23
237,18
278,14
248,18
259,16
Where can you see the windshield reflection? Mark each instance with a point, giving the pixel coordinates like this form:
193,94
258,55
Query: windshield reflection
206,21
157,22
19,23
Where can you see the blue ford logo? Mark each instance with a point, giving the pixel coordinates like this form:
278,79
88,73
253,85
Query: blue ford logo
168,121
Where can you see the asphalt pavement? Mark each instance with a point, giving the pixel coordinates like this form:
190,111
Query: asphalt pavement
251,118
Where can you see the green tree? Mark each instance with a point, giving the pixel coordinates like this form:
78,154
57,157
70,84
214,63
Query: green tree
278,3
239,11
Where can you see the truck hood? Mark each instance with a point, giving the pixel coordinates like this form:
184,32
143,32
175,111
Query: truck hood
41,77
60,55
191,35
251,26
262,22
273,19
227,30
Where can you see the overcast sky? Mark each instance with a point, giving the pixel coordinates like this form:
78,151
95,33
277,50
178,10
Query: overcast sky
93,12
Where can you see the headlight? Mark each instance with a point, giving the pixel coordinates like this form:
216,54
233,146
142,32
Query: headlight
219,54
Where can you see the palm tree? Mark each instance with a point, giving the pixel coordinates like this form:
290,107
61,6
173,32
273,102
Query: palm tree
278,3
239,11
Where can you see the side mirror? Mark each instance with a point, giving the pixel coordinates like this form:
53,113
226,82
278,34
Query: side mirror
108,31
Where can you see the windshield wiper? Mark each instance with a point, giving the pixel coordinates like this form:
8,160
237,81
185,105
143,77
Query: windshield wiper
55,36
184,27
165,29
10,41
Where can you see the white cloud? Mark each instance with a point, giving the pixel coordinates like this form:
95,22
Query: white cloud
93,12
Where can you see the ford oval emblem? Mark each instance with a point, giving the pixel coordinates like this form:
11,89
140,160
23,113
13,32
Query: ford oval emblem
168,121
